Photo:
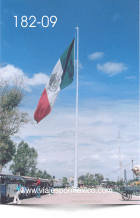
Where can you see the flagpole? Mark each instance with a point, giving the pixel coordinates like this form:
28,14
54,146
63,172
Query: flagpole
76,127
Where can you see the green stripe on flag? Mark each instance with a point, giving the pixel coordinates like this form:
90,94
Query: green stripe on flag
67,62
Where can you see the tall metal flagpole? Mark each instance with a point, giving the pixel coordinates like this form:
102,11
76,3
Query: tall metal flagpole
76,127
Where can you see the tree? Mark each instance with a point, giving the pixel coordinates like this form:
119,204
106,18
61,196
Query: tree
46,175
11,118
119,183
82,178
99,177
65,181
8,149
87,179
43,175
90,179
39,174
25,160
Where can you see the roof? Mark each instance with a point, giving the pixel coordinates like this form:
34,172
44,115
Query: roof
27,178
45,180
11,176
104,180
35,179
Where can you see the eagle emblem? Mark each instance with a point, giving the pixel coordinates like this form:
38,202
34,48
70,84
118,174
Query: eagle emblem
54,82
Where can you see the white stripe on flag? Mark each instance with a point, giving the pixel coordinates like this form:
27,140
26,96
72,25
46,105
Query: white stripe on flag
52,94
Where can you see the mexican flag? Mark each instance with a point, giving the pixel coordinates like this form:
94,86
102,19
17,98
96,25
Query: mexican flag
61,77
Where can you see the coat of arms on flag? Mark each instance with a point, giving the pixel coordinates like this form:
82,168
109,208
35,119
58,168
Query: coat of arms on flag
61,77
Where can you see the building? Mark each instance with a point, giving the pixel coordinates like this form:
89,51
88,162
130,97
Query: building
70,179
57,183
104,182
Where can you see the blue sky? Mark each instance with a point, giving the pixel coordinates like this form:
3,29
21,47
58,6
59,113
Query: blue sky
108,79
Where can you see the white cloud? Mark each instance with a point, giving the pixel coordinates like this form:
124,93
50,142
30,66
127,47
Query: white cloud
9,73
96,55
130,77
38,79
112,68
95,156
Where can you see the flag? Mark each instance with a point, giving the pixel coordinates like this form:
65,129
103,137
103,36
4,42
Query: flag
61,77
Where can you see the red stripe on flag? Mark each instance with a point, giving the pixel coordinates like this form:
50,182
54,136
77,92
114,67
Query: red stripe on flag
43,107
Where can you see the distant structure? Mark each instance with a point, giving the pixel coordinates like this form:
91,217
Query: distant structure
125,177
132,168
57,183
104,182
70,181
120,162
